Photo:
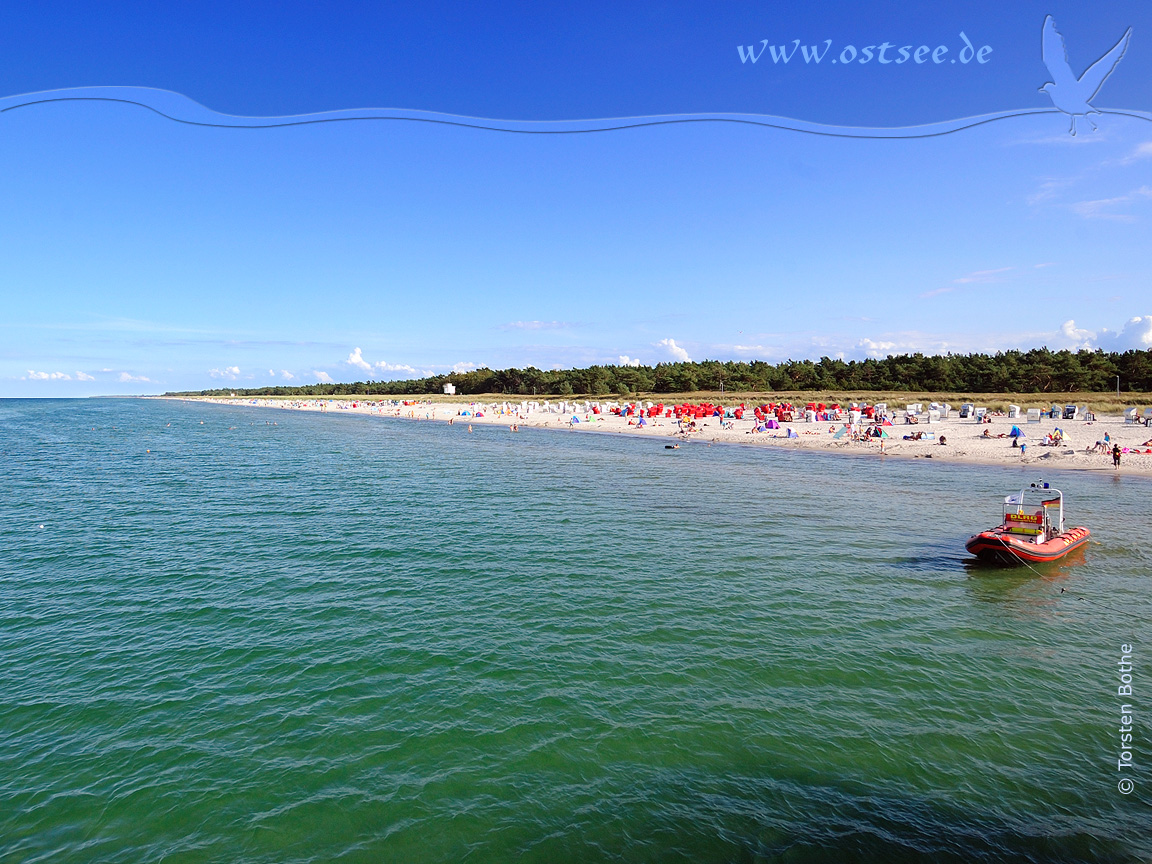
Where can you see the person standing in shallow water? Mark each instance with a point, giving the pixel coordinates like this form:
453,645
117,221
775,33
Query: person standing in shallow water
1115,455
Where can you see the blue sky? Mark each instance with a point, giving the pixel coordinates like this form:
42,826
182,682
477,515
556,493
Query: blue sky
142,255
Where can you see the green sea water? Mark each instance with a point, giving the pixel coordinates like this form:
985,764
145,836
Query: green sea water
239,634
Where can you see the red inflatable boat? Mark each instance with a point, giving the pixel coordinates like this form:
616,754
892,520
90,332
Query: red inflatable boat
1033,535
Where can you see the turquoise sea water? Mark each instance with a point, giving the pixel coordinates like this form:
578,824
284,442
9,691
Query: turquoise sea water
342,638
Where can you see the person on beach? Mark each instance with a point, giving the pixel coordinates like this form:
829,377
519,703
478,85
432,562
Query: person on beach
1115,456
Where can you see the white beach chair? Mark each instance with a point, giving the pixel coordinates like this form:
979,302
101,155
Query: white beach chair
980,412
1033,415
1131,415
933,416
1013,412
1147,416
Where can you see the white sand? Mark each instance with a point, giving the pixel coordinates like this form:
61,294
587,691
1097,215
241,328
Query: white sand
964,437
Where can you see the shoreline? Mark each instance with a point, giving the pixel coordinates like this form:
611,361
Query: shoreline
965,442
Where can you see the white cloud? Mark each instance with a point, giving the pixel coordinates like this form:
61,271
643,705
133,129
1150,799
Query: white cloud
229,372
1104,208
463,367
1049,190
286,375
271,373
912,342
760,351
1142,151
674,350
322,377
126,378
535,325
625,360
977,277
1136,334
404,367
983,275
1074,337
357,359
47,376
873,348
83,376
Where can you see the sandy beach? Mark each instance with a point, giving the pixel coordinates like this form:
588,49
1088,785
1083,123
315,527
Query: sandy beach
948,440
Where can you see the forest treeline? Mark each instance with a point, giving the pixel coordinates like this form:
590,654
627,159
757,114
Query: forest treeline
1036,371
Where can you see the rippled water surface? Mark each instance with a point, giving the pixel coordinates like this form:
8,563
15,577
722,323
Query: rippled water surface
360,639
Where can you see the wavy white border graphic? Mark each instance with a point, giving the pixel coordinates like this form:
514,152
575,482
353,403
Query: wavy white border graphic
181,109
1070,95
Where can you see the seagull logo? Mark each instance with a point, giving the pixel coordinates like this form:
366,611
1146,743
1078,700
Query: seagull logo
1070,94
